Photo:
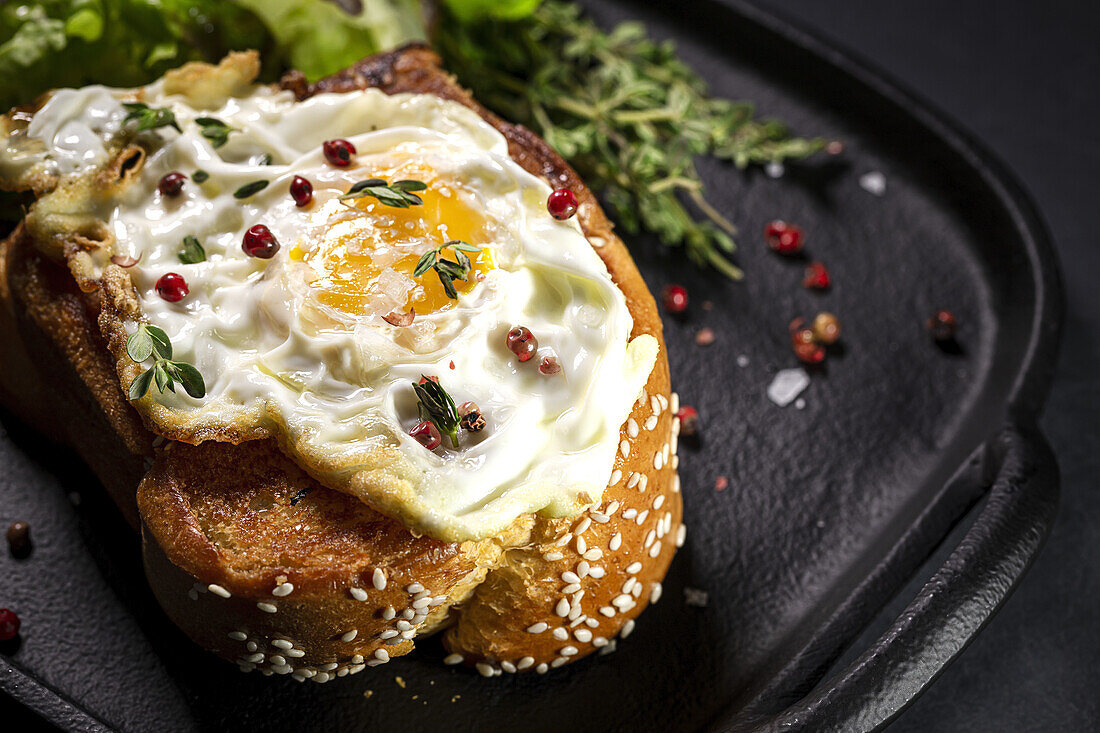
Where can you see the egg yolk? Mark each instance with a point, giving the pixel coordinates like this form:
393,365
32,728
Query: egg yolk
356,251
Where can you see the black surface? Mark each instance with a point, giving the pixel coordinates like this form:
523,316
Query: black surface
1022,76
817,499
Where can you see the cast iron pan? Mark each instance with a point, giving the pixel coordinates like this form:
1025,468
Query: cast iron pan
829,509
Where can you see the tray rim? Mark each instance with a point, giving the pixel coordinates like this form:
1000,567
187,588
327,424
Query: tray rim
1025,398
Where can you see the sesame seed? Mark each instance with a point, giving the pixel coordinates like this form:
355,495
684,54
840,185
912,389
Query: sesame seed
414,588
600,518
418,619
594,554
251,646
379,579
453,659
508,667
644,483
438,600
407,634
658,461
564,540
559,662
571,588
630,513
663,400
421,604
633,567
403,624
389,613
582,546
613,507
525,663
277,660
675,483
422,594
607,611
577,621
675,462
674,405
538,628
568,651
374,662
582,568
388,634
570,577
282,644
193,594
616,541
350,636
218,590
582,526
650,536
596,572
284,589
485,669
651,422
632,428
266,607
599,641
655,405
642,517
591,623
298,677
616,477
358,594
655,550
357,659
255,658
562,609
624,448
655,594
296,653
636,591
666,451
356,668
541,669
635,477
583,635
552,556
408,613
561,634
378,654
658,501
628,627
237,635
629,584
574,612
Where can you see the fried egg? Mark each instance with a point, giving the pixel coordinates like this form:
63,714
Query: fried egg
298,346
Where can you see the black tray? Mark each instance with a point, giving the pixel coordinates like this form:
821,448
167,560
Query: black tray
830,509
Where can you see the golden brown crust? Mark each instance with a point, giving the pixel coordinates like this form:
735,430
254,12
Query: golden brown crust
220,519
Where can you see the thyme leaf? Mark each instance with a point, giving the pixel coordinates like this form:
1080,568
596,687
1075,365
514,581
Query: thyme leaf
436,406
149,118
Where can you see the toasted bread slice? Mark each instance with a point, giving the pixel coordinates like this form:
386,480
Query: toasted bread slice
259,563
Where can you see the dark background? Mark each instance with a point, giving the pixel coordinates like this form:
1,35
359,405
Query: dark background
1024,77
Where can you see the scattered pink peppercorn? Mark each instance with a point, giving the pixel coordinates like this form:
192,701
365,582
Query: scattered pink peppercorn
549,365
562,204
721,483
942,325
171,184
172,287
260,242
301,190
470,418
817,277
835,147
704,336
338,152
805,346
689,420
784,238
675,298
427,435
9,624
522,343
826,328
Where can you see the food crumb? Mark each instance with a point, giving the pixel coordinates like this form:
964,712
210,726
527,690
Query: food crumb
774,169
400,682
707,305
787,384
721,483
800,404
455,697
873,183
696,597
704,336
742,361
368,693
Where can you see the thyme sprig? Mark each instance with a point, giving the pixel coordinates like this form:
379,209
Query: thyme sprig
399,194
193,251
214,130
150,341
437,407
149,118
625,111
448,270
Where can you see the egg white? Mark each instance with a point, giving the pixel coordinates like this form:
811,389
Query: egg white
335,387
